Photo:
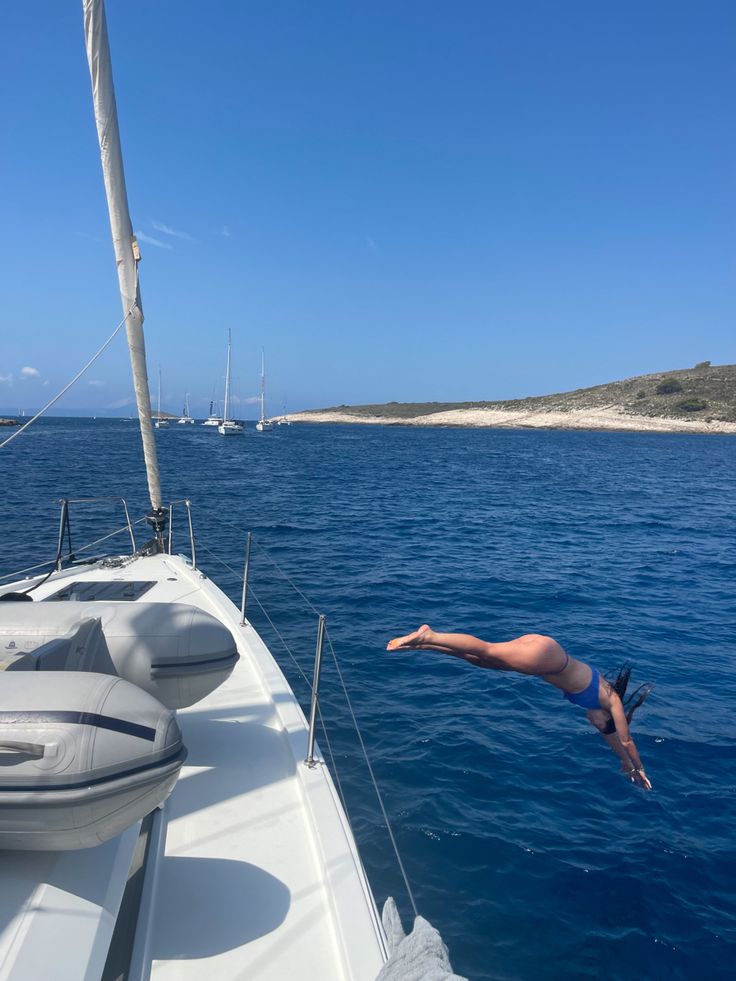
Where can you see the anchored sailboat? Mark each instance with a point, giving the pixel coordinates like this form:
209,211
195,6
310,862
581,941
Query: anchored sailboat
228,426
185,418
161,421
263,425
213,419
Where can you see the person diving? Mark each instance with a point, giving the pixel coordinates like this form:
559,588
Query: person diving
580,683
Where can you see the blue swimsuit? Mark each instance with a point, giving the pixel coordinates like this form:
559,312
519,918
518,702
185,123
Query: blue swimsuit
588,697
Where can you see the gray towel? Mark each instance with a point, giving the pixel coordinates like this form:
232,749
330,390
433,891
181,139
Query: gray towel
420,956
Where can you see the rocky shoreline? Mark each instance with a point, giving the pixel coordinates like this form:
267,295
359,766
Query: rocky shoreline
604,418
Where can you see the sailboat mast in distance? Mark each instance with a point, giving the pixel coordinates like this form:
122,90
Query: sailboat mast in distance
226,411
263,425
228,426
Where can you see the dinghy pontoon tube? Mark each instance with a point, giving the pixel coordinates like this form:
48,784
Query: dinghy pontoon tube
82,757
177,653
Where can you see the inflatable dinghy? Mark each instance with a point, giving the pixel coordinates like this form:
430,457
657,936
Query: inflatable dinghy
82,757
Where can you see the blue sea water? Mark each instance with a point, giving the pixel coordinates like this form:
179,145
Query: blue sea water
523,844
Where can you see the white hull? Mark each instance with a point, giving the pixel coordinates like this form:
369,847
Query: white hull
212,421
185,421
162,424
264,426
230,428
251,871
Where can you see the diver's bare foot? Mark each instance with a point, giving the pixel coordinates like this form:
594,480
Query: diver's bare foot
410,641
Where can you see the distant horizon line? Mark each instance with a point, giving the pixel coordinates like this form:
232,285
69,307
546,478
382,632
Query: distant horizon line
105,414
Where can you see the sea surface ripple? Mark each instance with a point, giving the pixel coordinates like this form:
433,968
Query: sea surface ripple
523,844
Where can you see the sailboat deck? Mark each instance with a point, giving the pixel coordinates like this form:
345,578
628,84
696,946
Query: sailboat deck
257,875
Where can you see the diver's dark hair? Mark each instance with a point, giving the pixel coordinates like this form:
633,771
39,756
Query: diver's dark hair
621,682
635,699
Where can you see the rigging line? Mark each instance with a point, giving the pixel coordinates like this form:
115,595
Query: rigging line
238,575
30,568
273,561
333,763
373,777
57,561
83,548
286,577
281,638
72,382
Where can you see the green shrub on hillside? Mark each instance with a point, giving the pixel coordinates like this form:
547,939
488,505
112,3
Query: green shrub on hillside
692,405
668,387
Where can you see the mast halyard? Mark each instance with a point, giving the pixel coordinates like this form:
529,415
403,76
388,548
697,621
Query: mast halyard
127,254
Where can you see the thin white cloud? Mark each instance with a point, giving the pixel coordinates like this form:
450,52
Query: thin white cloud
226,231
120,403
92,238
29,372
371,243
6,379
150,240
253,400
96,383
168,230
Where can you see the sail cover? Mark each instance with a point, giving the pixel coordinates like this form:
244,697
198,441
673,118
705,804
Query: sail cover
126,247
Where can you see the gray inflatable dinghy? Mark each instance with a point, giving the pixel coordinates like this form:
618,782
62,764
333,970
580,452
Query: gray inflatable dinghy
82,757
177,653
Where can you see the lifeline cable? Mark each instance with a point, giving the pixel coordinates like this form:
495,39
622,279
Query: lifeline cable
252,592
355,721
67,387
373,778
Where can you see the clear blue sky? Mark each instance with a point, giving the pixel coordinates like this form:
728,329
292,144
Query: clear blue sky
398,200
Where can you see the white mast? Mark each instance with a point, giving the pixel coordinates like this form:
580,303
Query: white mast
124,242
227,382
159,395
263,385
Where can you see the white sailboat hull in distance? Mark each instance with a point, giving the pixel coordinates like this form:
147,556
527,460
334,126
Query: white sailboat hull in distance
264,425
185,419
230,428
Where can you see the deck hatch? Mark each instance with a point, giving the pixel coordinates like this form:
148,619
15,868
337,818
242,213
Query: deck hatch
105,590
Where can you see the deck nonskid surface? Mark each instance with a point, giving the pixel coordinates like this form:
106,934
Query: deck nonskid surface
239,886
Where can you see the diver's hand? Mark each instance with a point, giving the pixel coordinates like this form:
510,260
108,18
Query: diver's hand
638,776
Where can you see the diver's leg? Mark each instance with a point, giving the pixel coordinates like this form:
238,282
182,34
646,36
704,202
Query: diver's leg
530,654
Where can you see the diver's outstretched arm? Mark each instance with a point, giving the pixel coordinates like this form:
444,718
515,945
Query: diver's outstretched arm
623,735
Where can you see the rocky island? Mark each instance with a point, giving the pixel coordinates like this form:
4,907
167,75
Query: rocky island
701,399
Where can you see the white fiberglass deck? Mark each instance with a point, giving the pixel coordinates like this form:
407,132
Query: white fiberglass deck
258,875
